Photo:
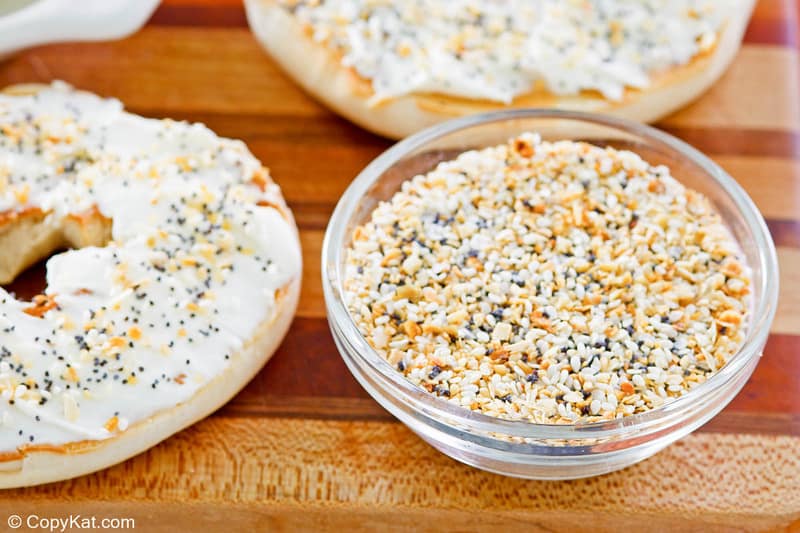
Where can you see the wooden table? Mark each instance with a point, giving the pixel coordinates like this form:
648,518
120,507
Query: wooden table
303,446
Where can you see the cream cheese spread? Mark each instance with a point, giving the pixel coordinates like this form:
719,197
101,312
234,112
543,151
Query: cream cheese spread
140,325
499,49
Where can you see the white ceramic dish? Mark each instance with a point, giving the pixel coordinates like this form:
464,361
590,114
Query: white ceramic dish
26,23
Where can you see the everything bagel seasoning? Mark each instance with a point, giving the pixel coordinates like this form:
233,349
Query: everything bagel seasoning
549,282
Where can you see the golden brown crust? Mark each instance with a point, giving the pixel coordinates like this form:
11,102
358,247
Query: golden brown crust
86,217
262,180
27,236
89,228
7,457
23,89
14,216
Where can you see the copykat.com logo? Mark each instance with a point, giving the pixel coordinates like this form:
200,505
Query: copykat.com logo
68,523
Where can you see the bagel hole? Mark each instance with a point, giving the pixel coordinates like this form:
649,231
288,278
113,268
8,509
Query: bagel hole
30,282
28,239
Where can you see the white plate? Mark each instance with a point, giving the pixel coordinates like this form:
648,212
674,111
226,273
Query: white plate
26,23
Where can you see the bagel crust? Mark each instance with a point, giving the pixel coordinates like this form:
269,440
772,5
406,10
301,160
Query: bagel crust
319,66
183,281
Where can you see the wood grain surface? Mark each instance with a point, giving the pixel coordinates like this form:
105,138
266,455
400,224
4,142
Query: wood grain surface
303,446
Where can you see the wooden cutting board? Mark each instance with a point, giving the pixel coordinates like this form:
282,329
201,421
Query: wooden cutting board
303,446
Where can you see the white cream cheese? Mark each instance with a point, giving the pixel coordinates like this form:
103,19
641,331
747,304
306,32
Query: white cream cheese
143,323
499,49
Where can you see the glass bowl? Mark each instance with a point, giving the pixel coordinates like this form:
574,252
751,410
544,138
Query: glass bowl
525,449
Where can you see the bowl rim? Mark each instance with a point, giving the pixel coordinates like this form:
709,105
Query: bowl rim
762,311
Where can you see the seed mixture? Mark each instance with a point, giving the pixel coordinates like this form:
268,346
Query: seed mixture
549,282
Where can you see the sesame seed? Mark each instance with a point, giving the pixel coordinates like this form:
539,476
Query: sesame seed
512,320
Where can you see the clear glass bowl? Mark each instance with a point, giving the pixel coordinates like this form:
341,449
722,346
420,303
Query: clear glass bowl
520,448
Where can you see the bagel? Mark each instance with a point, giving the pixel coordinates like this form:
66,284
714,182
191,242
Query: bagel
184,278
320,64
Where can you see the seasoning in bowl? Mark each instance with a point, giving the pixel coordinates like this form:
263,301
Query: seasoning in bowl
553,282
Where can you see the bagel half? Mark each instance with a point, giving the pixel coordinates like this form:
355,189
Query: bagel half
319,71
28,234
37,464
